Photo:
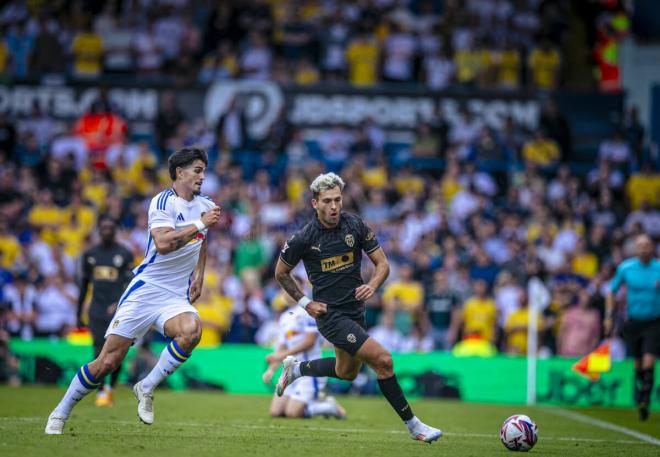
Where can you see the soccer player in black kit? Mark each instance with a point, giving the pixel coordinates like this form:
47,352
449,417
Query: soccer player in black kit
107,267
330,247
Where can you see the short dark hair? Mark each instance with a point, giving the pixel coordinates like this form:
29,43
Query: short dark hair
184,157
106,217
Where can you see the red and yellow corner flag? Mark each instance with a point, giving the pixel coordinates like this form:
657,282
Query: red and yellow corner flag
594,363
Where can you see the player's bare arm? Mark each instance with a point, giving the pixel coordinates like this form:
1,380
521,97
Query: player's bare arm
167,239
382,271
284,278
608,322
198,275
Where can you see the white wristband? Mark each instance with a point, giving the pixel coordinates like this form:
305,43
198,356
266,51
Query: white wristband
199,224
304,301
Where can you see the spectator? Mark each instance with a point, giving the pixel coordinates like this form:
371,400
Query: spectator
479,313
442,306
516,328
362,56
386,333
55,306
544,64
616,150
87,49
541,150
579,329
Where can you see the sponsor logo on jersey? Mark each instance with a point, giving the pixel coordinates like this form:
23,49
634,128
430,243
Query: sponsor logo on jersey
350,241
338,262
105,273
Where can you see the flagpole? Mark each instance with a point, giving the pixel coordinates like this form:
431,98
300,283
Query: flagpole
535,294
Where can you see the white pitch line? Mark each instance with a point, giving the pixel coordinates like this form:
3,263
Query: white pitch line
604,424
271,427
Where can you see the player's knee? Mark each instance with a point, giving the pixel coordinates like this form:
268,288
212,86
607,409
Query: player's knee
384,363
347,374
191,332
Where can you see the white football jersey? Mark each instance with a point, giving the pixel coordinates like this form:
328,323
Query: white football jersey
294,324
173,271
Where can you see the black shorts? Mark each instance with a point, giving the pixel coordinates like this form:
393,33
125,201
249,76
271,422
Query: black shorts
642,337
343,329
98,327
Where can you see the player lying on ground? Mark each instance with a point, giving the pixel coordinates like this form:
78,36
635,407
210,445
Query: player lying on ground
330,247
161,292
298,336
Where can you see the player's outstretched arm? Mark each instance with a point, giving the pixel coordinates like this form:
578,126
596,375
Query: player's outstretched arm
382,271
167,240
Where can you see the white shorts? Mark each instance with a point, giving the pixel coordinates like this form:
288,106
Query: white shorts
144,305
305,389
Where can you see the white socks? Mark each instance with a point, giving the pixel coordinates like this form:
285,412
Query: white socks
318,408
170,359
81,384
296,370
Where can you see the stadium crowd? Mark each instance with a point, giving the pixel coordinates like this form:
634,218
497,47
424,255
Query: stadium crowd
463,236
473,43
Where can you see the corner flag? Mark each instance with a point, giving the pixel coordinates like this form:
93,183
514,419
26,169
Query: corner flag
594,363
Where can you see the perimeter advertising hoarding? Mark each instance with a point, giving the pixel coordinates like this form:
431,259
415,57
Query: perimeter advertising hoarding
237,368
396,108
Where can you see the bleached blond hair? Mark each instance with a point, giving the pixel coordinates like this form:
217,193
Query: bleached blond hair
325,181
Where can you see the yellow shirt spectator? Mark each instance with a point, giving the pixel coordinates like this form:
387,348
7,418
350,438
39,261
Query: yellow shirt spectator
362,57
215,315
469,64
585,264
375,177
9,250
409,183
88,51
4,57
541,151
515,329
544,66
72,238
479,317
408,295
508,69
643,187
307,74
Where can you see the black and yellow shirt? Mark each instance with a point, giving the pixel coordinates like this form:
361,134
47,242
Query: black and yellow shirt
332,258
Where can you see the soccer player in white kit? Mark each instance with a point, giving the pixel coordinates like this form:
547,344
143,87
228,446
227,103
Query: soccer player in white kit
165,284
298,336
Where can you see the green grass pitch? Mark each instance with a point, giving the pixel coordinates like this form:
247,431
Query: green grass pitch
215,424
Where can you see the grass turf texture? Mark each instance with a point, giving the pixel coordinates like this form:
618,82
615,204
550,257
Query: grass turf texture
214,424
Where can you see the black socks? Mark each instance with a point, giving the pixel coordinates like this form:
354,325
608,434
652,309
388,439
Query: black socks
392,391
319,367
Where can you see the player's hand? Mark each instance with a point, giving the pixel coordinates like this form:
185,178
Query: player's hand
267,376
111,309
275,357
608,325
316,308
195,290
364,292
212,216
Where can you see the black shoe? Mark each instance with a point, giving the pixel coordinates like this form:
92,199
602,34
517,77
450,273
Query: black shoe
643,412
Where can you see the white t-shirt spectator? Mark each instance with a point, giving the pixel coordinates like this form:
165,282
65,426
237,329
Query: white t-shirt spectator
148,52
56,308
20,304
399,51
255,62
70,144
439,72
614,151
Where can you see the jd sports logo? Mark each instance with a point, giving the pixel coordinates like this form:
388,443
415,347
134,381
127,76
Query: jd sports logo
180,217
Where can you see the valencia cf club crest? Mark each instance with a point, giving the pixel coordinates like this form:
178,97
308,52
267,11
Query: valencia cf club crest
118,260
350,241
351,338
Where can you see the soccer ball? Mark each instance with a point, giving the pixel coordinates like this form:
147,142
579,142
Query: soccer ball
519,433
